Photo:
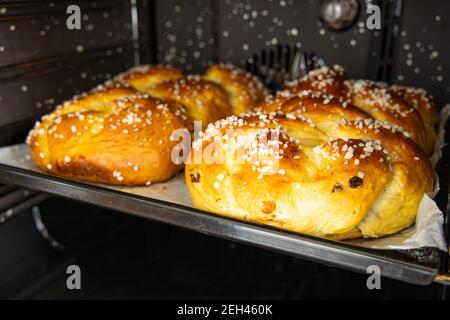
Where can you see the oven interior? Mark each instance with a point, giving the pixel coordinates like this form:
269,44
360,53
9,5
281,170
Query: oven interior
43,63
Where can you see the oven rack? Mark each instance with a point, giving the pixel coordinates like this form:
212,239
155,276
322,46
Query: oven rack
174,208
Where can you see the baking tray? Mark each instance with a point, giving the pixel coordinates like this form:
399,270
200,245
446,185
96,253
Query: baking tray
169,202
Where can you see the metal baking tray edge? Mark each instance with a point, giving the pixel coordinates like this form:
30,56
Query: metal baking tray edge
334,253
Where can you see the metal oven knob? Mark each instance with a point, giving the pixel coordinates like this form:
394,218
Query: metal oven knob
338,15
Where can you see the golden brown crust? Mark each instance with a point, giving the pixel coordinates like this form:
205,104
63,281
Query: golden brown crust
419,99
322,174
113,135
205,100
396,105
274,102
411,176
244,90
329,80
144,77
423,102
315,105
375,98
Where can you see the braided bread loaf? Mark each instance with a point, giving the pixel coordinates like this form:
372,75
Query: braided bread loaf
327,157
314,172
205,101
118,134
244,90
112,135
223,90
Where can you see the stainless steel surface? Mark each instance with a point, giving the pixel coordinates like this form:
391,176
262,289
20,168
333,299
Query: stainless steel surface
6,188
18,208
13,197
281,63
14,200
302,63
135,30
338,15
298,67
392,264
42,228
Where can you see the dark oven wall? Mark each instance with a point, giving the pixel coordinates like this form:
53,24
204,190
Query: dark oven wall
188,31
42,62
193,34
423,47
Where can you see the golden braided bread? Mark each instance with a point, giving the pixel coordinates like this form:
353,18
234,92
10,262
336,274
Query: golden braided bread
118,134
144,77
223,90
406,107
205,101
112,135
328,80
375,98
321,168
423,102
244,90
